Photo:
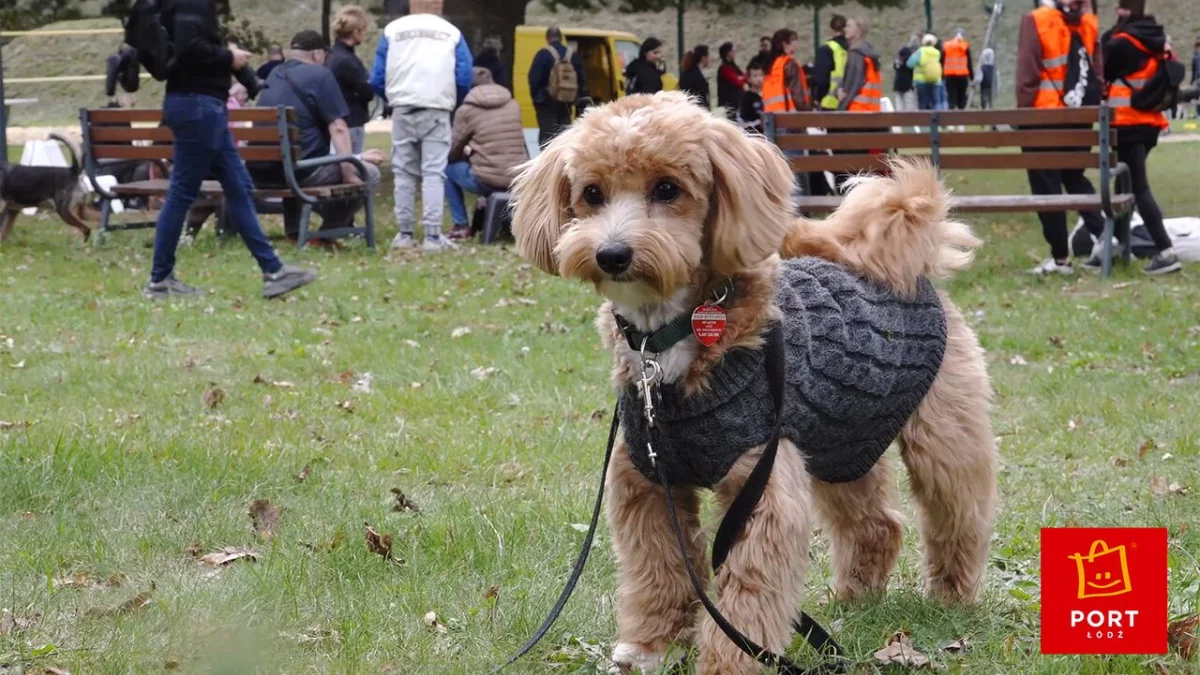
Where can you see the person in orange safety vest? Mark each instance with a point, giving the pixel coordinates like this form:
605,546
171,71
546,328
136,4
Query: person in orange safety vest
957,69
785,89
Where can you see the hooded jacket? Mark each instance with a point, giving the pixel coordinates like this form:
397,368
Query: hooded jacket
202,61
1120,56
642,77
856,71
490,122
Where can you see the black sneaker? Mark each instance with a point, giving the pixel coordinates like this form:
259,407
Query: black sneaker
287,279
170,287
1163,263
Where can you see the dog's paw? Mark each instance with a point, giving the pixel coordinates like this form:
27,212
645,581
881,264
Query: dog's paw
630,656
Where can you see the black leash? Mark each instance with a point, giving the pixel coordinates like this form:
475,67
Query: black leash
731,526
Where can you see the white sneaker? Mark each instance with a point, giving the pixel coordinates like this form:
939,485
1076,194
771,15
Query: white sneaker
438,244
403,240
1049,266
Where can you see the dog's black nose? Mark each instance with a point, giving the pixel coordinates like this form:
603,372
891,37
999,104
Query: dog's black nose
614,258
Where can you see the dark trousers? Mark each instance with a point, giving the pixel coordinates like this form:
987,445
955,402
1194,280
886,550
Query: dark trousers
1133,149
956,91
1054,223
926,96
985,98
552,118
203,145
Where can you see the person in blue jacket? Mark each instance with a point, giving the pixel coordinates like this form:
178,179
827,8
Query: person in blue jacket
553,115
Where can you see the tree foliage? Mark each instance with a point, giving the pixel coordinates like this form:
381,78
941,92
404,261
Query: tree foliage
722,6
30,14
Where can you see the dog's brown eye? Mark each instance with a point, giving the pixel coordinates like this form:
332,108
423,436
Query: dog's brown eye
593,195
665,191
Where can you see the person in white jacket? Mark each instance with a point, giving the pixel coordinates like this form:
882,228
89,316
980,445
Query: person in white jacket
422,70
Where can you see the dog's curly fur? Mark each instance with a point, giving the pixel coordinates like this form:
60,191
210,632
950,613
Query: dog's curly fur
731,218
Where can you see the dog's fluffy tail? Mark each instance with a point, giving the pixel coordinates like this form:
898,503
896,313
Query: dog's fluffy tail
70,145
893,229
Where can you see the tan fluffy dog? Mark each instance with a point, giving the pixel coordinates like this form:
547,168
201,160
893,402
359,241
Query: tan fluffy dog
696,201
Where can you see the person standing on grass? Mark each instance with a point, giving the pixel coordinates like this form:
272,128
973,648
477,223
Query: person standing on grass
194,109
350,28
423,69
1058,66
926,64
554,94
731,82
906,96
1129,50
691,75
987,78
957,68
487,148
830,65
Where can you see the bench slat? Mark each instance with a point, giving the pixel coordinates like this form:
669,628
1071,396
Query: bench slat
1081,138
166,152
1031,160
211,188
994,204
1025,116
163,134
129,115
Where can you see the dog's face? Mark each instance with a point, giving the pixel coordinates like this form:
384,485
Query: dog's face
642,194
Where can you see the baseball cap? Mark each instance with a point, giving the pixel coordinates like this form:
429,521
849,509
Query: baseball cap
309,41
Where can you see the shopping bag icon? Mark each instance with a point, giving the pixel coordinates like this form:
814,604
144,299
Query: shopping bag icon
1103,572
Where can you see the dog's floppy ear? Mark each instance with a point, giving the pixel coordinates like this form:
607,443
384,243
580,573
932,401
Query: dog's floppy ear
543,197
751,209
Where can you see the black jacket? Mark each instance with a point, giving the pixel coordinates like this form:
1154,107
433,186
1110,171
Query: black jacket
823,69
490,59
1121,57
642,77
693,82
354,82
124,70
904,74
203,62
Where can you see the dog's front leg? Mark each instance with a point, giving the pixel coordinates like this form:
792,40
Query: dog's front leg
656,605
761,584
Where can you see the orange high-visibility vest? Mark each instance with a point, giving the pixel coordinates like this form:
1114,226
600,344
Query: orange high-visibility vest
775,94
1120,92
867,98
1054,33
956,58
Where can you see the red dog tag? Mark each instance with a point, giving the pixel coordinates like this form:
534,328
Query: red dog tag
708,323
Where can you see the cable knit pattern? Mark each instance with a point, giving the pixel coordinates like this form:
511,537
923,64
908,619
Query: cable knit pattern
859,361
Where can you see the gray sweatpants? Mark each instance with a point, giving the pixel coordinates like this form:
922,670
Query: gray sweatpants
420,148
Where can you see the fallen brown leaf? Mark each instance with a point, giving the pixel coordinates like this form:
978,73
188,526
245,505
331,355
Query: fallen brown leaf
493,594
193,550
314,636
304,473
899,650
598,415
1183,636
1158,486
135,604
346,377
51,670
171,665
1177,489
265,517
10,622
1123,284
403,503
213,397
377,543
1145,447
432,621
347,405
227,555
1119,462
954,646
4,424
1057,341
86,580
258,379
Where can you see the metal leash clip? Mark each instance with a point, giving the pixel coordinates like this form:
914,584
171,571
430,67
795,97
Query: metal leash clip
651,375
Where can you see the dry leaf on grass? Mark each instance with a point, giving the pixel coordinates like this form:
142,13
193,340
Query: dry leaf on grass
377,543
171,665
1119,286
432,621
1177,489
10,622
403,503
229,554
303,476
1018,360
460,331
954,646
493,594
1183,635
135,604
265,517
598,415
1145,447
51,670
899,650
86,580
482,373
346,377
213,397
1158,486
4,424
315,636
363,384
346,406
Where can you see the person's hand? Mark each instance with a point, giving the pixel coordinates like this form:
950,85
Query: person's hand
240,58
467,151
375,157
841,94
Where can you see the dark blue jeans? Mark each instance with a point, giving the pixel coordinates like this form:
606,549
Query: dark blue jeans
460,177
204,147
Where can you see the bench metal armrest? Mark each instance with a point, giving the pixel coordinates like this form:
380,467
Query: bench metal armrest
1112,186
322,161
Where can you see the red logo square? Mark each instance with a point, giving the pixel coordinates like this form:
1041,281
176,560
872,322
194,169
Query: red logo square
1104,590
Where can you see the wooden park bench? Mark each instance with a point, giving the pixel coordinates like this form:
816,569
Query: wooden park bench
993,140
113,136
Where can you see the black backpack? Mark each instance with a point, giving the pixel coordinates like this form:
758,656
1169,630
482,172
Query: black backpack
145,31
1160,92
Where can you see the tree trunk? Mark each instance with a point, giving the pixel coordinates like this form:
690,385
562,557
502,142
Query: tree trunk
325,10
479,19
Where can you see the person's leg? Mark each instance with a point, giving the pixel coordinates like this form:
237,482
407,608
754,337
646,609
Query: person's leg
405,161
562,114
239,201
1134,155
1076,183
194,127
1054,224
358,139
547,122
925,96
458,175
435,151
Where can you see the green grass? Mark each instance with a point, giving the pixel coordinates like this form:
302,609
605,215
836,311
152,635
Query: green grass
123,464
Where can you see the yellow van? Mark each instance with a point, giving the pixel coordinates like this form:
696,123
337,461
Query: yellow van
604,53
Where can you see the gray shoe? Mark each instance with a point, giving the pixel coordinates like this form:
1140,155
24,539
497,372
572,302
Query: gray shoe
437,244
403,241
1163,263
287,279
170,287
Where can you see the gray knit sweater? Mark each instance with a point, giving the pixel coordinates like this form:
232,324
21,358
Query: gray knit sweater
859,361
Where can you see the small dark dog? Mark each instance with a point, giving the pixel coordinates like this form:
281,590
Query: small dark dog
25,186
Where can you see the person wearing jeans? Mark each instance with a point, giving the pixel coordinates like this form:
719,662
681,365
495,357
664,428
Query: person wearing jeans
487,147
194,110
422,69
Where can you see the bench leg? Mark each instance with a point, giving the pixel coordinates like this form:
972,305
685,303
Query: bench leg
369,218
1106,248
105,216
491,223
1124,235
305,217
